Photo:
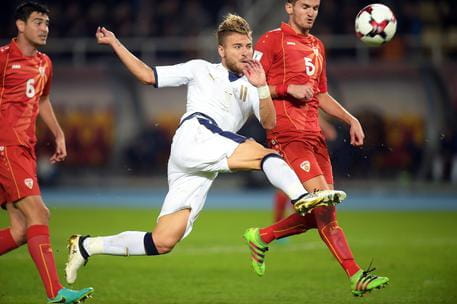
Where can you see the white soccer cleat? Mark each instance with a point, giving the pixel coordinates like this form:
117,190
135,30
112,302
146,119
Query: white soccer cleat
77,257
306,203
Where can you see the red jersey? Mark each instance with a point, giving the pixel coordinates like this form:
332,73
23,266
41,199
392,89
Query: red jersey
291,58
23,80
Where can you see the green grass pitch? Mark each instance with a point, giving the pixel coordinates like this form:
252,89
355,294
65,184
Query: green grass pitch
417,250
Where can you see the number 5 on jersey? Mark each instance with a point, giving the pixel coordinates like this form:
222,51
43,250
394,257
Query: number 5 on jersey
29,88
310,67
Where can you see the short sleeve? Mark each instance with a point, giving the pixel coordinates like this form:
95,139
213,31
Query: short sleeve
3,55
264,51
323,78
178,74
49,74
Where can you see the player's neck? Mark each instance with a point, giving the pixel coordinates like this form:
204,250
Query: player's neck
224,64
298,29
27,48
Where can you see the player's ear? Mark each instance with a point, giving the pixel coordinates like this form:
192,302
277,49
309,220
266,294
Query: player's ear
20,24
221,51
289,8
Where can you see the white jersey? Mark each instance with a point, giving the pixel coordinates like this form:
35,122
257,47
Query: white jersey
229,102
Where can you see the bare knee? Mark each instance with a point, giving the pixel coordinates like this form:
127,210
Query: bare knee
163,244
19,234
34,210
249,156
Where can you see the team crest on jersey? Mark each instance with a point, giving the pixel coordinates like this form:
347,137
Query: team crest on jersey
257,55
305,166
41,70
316,51
28,182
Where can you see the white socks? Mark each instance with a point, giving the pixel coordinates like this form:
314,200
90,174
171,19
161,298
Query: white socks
282,176
125,243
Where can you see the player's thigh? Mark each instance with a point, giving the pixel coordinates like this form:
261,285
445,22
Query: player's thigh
187,192
302,159
323,159
18,178
248,156
196,148
316,183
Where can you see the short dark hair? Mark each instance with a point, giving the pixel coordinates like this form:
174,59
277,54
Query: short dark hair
25,9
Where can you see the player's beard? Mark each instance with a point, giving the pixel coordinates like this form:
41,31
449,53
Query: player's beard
234,66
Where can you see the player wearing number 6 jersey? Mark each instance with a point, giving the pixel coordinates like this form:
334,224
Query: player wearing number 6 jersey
295,65
25,82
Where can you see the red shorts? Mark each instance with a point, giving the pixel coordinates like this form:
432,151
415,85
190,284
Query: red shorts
307,155
18,177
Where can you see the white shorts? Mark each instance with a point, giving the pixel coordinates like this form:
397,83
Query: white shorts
199,151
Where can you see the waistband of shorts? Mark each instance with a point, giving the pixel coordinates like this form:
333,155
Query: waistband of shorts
197,114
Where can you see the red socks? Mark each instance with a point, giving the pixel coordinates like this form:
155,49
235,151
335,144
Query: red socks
325,220
39,245
294,224
335,239
280,204
7,243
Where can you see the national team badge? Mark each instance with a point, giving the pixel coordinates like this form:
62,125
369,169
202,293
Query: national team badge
28,182
306,166
257,55
41,70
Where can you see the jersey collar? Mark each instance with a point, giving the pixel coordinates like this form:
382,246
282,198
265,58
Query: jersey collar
17,51
288,30
14,47
233,77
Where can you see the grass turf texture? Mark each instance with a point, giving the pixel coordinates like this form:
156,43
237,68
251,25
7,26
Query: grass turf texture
417,250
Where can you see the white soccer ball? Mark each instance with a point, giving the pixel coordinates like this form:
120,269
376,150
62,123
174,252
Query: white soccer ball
375,24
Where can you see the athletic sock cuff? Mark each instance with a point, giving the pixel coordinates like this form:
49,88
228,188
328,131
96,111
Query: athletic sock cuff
267,157
83,250
7,237
36,230
149,246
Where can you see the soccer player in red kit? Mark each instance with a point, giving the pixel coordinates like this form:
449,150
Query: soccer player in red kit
280,200
295,65
25,81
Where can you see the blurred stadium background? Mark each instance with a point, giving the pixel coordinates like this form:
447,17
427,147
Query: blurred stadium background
118,131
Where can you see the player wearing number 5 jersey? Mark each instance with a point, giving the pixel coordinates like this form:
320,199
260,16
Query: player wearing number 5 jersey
25,82
295,65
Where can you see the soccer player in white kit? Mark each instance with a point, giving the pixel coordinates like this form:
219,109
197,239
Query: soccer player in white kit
220,99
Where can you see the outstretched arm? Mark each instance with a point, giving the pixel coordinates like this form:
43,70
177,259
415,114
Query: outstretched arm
49,118
334,108
256,76
138,68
